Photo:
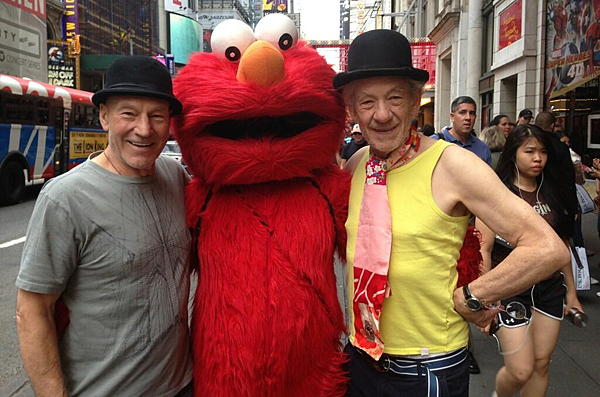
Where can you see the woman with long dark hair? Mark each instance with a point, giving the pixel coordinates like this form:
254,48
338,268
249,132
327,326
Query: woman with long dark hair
502,121
527,167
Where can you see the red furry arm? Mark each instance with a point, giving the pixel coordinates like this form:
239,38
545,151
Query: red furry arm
335,183
469,262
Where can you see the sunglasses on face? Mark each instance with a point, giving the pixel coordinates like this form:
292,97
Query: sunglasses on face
356,133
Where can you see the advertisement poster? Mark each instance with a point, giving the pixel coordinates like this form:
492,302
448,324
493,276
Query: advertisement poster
23,39
82,144
271,6
511,20
572,45
185,37
61,69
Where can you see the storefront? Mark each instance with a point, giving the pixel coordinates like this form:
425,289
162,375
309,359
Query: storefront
572,73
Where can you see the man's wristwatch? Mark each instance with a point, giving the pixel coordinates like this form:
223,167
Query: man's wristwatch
471,302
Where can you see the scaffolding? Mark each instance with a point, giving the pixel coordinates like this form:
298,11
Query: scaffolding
118,27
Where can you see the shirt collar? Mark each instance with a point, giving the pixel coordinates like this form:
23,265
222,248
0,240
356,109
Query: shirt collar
452,139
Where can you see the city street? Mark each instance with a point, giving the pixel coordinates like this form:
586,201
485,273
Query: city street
574,370
14,221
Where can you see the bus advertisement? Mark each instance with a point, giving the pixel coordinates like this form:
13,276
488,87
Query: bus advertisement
45,130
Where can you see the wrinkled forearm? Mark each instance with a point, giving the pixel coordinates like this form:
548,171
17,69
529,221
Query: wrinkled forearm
39,349
525,266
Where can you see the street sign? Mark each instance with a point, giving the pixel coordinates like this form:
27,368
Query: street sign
296,18
170,58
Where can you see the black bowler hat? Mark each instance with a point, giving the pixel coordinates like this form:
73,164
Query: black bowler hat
380,52
138,76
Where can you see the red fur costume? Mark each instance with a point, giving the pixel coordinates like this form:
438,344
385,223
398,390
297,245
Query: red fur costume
266,318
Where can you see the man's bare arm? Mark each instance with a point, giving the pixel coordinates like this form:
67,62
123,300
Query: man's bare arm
353,161
463,179
39,344
487,245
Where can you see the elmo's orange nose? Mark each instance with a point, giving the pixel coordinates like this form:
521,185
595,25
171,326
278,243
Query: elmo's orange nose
261,64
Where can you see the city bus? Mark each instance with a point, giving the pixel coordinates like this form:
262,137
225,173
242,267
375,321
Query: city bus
45,130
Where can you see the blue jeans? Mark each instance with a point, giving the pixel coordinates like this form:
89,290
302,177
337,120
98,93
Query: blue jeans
366,381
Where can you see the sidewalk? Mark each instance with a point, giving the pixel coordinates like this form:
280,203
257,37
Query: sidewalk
575,366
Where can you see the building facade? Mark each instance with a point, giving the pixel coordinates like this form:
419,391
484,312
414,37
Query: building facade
491,50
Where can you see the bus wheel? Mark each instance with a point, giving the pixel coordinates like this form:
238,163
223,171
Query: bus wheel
12,183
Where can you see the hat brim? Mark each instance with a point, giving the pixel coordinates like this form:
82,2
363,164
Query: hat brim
102,95
342,79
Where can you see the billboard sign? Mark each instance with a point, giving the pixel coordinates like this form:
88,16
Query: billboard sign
185,37
295,17
572,48
35,7
272,6
23,39
209,19
170,63
176,5
511,20
70,19
61,69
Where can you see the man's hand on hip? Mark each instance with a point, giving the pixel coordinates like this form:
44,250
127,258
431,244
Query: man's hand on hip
481,318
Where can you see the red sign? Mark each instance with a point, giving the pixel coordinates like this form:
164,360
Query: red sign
35,7
423,57
510,24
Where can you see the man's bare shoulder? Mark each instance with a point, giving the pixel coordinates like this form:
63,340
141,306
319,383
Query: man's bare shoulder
353,162
461,162
462,177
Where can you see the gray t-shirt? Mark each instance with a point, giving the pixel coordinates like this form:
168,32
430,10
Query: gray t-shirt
117,249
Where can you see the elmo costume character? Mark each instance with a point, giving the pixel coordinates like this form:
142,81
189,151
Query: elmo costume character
260,127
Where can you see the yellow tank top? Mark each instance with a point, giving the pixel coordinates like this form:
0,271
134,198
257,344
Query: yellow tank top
419,317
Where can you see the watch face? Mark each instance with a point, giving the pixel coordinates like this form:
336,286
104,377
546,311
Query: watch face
474,305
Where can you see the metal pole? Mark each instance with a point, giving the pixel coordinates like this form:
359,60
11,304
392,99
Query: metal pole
412,4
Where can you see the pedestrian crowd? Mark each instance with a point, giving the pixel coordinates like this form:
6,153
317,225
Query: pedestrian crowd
103,305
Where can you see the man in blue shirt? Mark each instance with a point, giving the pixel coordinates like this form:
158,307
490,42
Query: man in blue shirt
463,113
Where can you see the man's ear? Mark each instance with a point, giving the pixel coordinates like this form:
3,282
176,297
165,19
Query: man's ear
416,107
104,116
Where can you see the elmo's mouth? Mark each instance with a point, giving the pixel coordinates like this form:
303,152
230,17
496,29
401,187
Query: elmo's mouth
260,127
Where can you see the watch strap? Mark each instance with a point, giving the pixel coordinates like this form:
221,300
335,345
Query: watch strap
467,292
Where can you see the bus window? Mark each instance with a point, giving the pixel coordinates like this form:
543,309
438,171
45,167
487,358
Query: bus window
12,114
78,116
43,113
92,117
27,111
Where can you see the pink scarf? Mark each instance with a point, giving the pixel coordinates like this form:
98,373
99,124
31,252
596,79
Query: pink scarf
373,248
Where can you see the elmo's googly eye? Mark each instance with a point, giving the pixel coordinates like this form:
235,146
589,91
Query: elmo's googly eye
230,39
278,30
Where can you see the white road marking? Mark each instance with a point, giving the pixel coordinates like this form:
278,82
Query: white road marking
12,242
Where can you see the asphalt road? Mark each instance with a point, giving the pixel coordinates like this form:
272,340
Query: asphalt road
13,223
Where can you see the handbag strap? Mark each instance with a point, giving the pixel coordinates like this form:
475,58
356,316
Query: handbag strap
575,254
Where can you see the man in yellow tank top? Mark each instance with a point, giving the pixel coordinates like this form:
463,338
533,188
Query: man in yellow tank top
409,206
